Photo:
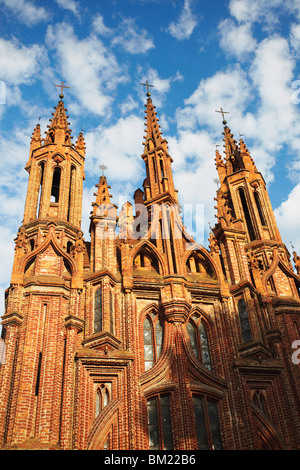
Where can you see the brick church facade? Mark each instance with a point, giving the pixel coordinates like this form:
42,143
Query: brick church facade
141,338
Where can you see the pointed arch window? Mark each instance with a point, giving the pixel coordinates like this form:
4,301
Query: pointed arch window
98,310
102,398
153,339
72,190
244,321
259,402
260,209
55,185
111,311
247,214
41,178
199,340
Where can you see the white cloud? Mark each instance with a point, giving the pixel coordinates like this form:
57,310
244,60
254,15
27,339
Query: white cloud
287,216
193,162
18,63
266,12
236,39
295,37
132,39
93,72
128,105
70,5
272,74
26,11
99,26
103,147
227,89
184,27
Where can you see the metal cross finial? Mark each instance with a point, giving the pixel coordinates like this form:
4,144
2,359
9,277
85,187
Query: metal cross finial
147,85
223,112
103,168
62,86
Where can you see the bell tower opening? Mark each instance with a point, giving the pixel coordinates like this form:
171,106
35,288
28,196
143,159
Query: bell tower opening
55,185
247,214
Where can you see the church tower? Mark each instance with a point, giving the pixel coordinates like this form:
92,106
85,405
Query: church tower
44,302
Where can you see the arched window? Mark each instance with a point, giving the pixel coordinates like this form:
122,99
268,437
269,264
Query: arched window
98,310
102,398
244,321
259,402
153,339
260,209
72,190
247,214
41,177
111,311
207,423
159,423
98,402
199,340
55,185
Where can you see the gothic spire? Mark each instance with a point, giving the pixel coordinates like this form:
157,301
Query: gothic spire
245,155
159,182
36,139
234,162
58,130
80,144
103,197
153,137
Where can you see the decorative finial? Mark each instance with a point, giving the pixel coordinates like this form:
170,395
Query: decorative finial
103,168
147,85
223,112
62,86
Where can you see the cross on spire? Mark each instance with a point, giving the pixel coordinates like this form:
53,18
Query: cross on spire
103,168
62,86
147,85
223,112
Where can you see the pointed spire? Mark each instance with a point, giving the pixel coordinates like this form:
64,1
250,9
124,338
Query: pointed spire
36,140
153,137
234,161
103,197
59,132
245,155
80,144
220,165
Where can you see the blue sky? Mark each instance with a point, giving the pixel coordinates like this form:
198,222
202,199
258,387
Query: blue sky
241,55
